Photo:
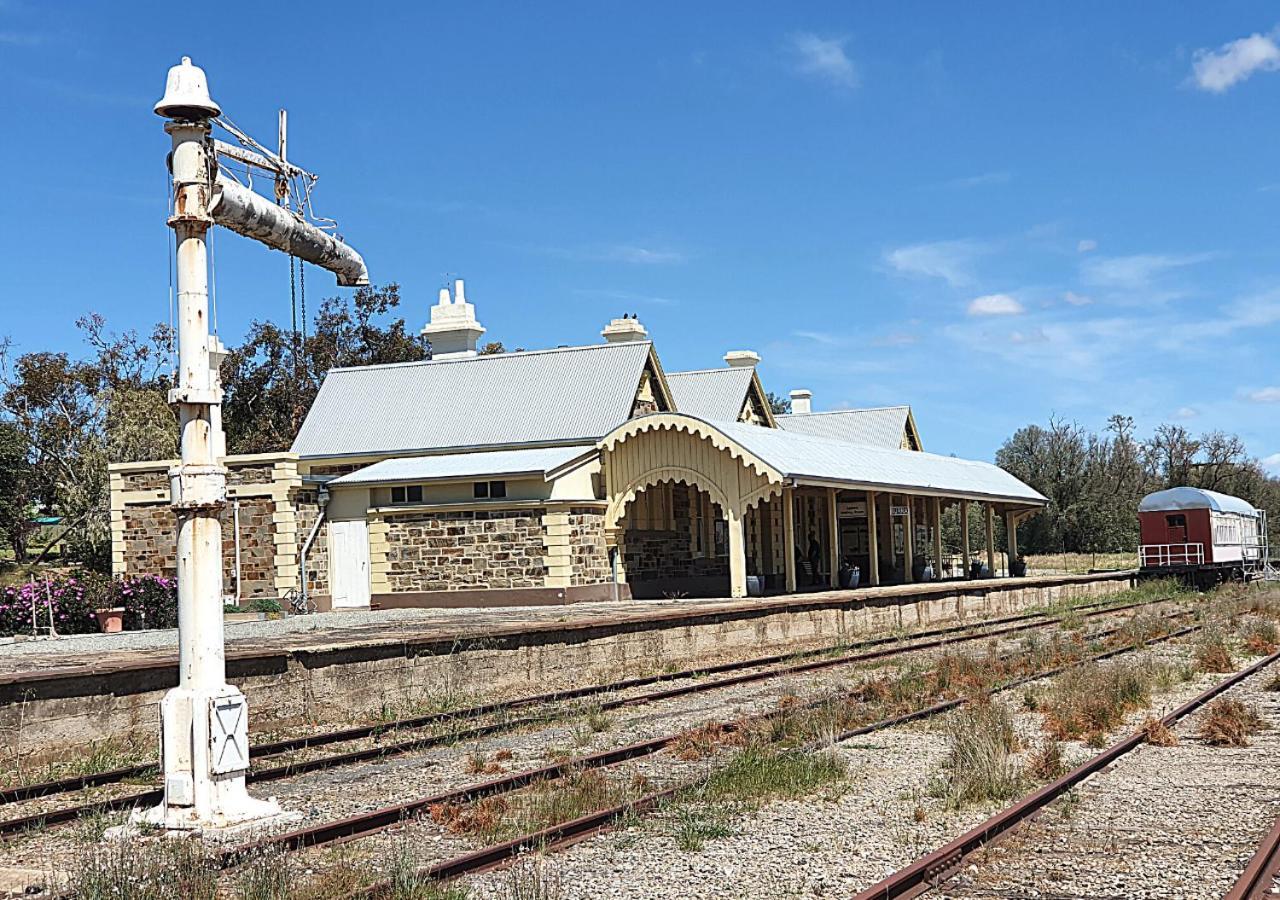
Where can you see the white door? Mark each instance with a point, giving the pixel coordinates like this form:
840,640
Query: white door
349,563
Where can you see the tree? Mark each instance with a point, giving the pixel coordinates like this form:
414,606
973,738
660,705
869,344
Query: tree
268,388
778,405
16,486
492,348
73,414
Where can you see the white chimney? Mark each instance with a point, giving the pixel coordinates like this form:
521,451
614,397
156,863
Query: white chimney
621,331
800,402
742,359
453,329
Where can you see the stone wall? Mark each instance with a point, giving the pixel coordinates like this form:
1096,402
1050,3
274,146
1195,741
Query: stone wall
465,550
144,531
150,545
51,711
587,547
668,554
318,555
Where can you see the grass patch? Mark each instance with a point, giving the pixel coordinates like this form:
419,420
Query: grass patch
145,870
694,827
1088,701
762,773
1046,763
980,766
1211,652
531,879
1259,636
1158,734
1228,723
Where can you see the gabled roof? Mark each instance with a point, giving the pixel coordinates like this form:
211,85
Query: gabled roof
538,461
571,395
804,459
880,427
1195,498
717,394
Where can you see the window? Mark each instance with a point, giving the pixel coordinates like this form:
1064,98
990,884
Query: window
409,494
1176,521
490,489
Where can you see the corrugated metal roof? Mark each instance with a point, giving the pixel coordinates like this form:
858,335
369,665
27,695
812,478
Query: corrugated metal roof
533,461
1195,498
882,427
569,395
804,457
711,393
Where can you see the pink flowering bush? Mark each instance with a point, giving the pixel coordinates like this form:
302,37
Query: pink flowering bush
149,601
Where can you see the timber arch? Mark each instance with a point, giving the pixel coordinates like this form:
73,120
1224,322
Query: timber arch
692,497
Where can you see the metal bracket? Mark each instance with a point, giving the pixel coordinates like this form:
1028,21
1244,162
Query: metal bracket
197,487
195,396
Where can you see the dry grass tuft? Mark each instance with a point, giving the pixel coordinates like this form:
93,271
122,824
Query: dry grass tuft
1212,653
1046,763
1089,701
1260,636
699,743
1158,734
479,763
980,766
1228,723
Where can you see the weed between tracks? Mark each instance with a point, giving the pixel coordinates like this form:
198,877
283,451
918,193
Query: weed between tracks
1228,723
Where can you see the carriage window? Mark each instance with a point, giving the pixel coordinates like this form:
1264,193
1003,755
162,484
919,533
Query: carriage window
1176,521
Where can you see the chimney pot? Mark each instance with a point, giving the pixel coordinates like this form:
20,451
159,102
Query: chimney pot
742,359
801,402
453,329
624,330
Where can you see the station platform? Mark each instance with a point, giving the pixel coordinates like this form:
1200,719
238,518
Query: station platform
333,667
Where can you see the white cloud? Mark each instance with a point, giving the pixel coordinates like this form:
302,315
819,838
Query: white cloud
824,59
1086,246
1074,299
949,260
1265,395
1186,412
817,337
897,339
973,181
1272,463
1135,271
1233,62
996,305
1034,336
643,255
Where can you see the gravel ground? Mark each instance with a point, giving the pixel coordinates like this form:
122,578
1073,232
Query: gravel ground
830,845
1168,822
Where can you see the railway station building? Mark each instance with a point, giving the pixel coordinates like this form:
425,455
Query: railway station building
576,473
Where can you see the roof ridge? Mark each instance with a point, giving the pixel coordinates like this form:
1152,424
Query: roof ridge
480,356
716,370
832,412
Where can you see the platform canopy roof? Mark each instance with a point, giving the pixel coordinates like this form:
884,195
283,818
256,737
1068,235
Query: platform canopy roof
806,460
566,396
1195,498
879,427
542,462
716,394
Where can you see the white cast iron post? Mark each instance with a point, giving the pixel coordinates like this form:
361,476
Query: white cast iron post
204,721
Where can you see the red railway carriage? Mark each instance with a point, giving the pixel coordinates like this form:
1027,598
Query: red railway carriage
1201,535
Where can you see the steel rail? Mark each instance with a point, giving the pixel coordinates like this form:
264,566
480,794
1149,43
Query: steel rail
276,748
935,867
153,795
376,820
1256,879
564,834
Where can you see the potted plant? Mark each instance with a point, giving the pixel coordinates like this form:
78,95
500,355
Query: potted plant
110,619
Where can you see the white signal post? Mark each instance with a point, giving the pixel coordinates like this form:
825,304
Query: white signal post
204,720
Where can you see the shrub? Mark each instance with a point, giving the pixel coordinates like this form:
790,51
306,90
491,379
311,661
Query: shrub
266,605
149,601
72,601
1228,723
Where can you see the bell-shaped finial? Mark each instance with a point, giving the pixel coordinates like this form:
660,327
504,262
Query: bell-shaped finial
186,94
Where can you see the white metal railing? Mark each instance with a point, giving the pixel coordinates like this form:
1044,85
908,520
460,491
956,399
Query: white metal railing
1170,555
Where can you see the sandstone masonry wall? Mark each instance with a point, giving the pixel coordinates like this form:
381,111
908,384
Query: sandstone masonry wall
436,550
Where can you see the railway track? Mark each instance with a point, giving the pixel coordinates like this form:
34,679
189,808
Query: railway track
566,833
1256,882
769,667
935,868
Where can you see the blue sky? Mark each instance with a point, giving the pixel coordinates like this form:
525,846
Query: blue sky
1040,210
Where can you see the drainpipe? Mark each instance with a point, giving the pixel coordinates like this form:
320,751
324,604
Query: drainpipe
235,517
322,499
